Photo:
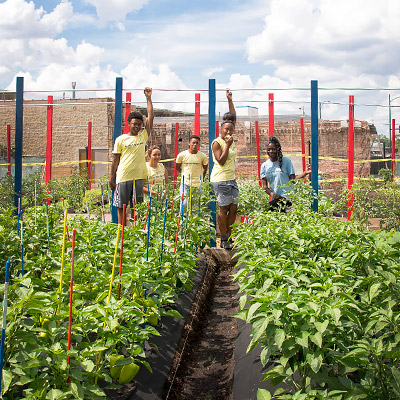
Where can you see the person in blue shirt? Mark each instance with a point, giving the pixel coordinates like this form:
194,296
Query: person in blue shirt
277,172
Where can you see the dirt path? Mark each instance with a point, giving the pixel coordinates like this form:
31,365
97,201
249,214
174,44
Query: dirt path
206,369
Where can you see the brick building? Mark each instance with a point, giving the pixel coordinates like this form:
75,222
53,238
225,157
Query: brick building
70,127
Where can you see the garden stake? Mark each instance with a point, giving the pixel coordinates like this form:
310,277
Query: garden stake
172,201
108,198
156,212
35,205
182,213
109,290
47,225
3,327
114,261
190,196
145,221
148,230
134,202
62,253
71,288
19,210
22,245
102,202
65,225
163,232
122,250
177,228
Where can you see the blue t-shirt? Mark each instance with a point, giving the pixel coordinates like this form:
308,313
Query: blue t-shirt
276,176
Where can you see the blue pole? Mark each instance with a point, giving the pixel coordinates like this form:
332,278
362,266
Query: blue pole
3,327
19,113
211,137
314,141
163,232
117,131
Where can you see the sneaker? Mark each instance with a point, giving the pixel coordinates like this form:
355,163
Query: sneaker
226,244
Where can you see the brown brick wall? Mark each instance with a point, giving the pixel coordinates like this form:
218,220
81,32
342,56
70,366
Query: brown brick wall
70,119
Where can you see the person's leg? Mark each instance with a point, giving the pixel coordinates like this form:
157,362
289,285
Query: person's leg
223,225
139,190
231,217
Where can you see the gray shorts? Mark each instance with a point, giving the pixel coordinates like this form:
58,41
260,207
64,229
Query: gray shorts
226,192
123,193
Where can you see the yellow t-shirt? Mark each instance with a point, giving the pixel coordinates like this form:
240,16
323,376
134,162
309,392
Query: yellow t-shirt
192,164
226,172
132,163
158,174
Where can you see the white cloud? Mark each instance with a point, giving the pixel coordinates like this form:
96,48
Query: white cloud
21,20
209,72
114,10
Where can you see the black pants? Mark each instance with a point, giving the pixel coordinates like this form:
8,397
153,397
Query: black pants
279,204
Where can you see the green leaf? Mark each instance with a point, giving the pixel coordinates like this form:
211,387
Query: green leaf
336,314
321,326
373,291
317,339
279,337
316,363
253,308
292,306
173,313
54,394
77,390
242,301
6,380
263,394
259,327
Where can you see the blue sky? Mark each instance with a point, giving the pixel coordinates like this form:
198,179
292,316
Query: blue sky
253,44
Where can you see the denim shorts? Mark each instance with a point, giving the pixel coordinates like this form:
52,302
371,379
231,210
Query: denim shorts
226,192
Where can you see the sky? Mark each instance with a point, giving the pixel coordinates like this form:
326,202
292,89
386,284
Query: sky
252,47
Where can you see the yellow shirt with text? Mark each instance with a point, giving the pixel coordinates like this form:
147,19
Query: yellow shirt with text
226,172
192,165
132,163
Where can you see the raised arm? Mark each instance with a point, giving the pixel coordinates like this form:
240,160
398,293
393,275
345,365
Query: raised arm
150,112
230,103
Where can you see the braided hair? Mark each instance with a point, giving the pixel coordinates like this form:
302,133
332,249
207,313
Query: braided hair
273,140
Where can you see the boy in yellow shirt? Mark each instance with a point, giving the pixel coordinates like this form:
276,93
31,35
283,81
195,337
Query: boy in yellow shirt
193,165
129,158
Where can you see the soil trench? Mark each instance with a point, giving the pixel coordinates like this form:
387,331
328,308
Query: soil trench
204,364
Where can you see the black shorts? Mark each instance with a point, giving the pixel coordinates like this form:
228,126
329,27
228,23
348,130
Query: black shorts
123,193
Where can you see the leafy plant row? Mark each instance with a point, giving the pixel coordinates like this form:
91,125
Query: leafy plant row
108,333
323,298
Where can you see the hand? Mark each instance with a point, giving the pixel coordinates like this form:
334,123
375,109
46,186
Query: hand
111,184
228,94
228,140
147,92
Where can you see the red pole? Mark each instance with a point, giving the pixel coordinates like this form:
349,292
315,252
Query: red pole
216,129
9,149
271,124
258,151
176,152
49,137
122,250
393,146
90,154
303,143
351,157
127,110
197,114
71,288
